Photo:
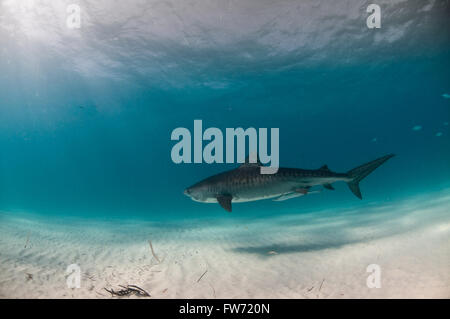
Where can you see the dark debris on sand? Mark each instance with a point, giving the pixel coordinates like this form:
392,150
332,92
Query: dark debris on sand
128,290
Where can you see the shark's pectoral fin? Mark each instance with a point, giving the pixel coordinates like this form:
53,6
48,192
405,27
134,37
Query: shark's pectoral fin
328,186
225,202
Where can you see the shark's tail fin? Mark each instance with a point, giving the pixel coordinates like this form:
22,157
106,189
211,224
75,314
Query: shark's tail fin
358,173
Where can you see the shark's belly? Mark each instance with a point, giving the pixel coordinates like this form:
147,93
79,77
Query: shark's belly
262,192
252,199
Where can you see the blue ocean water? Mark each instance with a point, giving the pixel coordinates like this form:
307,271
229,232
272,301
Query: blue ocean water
86,114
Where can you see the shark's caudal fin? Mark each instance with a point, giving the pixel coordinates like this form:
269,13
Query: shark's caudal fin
358,173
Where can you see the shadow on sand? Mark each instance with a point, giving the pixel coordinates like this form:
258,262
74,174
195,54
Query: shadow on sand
335,230
263,250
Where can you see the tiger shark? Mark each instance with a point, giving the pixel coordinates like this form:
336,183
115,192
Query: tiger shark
246,183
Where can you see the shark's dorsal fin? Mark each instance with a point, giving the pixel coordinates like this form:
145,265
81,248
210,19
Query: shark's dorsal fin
324,168
225,202
251,163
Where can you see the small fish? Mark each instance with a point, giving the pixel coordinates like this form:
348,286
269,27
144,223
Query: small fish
417,128
446,96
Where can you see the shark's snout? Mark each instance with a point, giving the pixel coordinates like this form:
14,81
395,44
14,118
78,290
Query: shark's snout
192,193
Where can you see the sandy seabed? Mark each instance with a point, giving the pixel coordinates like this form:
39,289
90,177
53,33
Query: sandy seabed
322,254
